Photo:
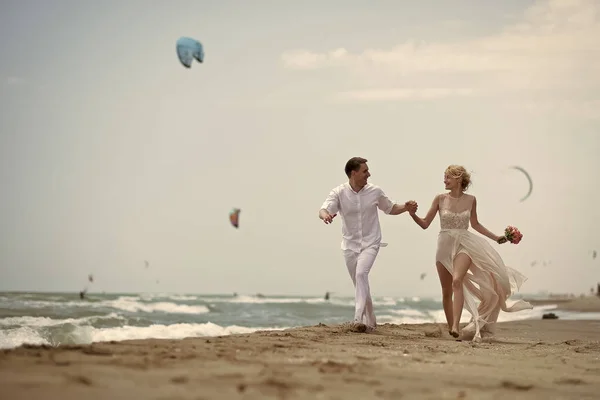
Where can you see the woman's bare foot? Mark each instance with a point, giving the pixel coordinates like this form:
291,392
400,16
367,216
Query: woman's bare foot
454,332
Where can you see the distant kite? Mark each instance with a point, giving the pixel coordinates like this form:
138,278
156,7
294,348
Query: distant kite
234,217
189,49
423,275
528,178
146,263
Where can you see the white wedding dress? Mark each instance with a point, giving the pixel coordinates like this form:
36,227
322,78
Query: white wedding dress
488,279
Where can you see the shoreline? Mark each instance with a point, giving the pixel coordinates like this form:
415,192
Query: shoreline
527,359
580,304
584,307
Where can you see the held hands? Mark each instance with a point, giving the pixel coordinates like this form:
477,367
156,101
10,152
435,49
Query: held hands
501,239
411,206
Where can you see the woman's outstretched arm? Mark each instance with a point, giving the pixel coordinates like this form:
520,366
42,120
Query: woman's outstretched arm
425,222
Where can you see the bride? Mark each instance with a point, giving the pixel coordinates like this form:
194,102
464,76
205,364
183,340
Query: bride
467,264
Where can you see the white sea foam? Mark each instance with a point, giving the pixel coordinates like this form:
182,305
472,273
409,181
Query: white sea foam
85,334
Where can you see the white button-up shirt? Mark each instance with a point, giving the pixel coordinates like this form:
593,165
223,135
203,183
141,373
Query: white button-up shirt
359,214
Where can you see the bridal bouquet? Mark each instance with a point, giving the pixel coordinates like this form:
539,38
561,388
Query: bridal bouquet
513,235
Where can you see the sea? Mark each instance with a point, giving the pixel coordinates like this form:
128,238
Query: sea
63,318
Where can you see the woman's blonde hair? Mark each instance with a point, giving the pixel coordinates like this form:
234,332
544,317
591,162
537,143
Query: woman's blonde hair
458,171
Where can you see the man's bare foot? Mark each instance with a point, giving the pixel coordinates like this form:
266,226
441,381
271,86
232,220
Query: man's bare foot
359,327
354,326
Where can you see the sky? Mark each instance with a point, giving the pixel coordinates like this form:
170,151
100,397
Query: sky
112,153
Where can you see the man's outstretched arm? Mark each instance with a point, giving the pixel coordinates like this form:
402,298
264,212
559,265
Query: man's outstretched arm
398,209
389,207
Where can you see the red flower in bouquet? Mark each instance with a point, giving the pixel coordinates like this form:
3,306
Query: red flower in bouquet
513,235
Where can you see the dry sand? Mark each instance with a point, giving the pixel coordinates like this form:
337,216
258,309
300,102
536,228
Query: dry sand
541,359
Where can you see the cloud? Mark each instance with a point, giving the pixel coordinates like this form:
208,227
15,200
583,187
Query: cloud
304,59
401,94
586,110
553,48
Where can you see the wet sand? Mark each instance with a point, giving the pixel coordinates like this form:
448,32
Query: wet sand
576,304
582,304
541,359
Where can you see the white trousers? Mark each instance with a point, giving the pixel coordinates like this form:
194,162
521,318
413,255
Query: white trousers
359,265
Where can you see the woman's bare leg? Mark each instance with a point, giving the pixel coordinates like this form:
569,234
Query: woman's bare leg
446,282
462,262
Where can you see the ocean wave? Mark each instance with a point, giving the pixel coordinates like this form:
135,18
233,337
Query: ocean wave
35,322
175,331
132,305
168,296
122,303
340,301
86,334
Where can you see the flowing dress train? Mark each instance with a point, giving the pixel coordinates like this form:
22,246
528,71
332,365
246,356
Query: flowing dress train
488,279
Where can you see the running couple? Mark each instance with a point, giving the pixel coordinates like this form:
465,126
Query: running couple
458,251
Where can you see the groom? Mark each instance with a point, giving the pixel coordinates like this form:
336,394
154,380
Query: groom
357,202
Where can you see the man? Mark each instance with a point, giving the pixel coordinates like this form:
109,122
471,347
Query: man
357,202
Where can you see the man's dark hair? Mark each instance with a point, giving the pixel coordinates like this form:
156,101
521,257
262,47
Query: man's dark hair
353,164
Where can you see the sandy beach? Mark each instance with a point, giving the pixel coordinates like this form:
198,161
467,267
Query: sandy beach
550,359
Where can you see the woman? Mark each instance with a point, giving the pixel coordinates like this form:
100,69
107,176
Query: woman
464,259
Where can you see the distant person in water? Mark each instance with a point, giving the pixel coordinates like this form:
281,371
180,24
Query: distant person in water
358,202
326,295
82,295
